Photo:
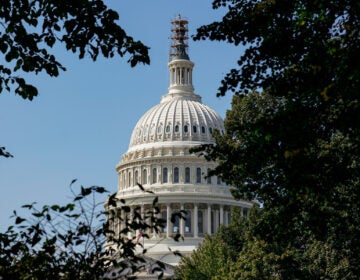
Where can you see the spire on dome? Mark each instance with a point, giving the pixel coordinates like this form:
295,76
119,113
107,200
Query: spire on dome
179,37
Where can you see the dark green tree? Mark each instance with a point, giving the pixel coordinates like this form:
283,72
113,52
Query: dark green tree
292,135
238,252
205,263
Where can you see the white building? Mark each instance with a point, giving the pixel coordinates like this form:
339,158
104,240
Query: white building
159,159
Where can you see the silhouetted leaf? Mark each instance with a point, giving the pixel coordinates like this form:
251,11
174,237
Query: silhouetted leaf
19,220
73,181
140,187
155,201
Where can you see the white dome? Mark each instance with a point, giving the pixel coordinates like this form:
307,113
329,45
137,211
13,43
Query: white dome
179,117
159,159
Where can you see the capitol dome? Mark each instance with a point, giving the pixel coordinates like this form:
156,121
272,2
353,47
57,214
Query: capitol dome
159,159
179,117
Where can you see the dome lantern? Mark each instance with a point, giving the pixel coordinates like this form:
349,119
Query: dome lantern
180,66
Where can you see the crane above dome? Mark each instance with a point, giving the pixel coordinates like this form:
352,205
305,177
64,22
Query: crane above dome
180,66
179,37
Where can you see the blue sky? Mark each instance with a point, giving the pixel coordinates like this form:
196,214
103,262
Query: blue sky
81,122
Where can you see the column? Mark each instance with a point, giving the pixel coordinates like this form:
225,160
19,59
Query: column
130,233
216,222
142,212
209,219
154,234
174,76
221,214
122,222
177,76
142,215
226,218
110,222
159,216
182,221
168,221
118,221
196,223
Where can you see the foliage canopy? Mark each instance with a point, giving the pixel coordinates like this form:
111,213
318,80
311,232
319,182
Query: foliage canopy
292,135
30,28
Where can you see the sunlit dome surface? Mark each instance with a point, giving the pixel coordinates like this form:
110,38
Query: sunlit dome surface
179,117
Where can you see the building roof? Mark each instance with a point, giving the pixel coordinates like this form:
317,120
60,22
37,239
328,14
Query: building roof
179,117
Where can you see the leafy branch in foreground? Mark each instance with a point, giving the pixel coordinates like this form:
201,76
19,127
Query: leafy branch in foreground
29,29
74,241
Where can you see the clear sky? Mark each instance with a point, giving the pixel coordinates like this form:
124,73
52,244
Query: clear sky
81,122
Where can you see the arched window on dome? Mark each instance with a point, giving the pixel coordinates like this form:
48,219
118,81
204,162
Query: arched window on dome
198,175
194,129
186,128
203,129
154,175
176,129
136,177
176,175
152,130
159,129
165,175
208,178
210,130
129,179
167,130
187,175
144,176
